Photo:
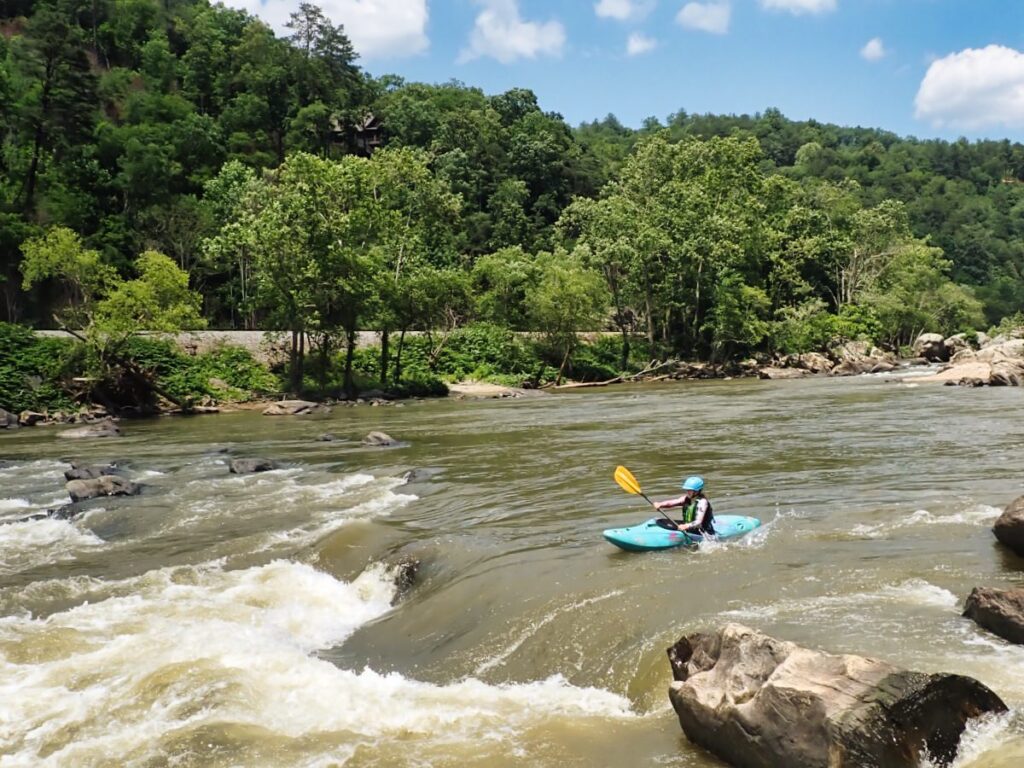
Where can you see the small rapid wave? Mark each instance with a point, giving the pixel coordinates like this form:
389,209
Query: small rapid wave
31,543
913,592
974,515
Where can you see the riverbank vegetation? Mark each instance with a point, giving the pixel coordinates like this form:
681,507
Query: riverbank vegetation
176,165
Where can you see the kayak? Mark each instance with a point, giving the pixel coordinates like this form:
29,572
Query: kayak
655,533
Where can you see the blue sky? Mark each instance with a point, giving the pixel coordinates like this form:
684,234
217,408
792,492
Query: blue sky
927,68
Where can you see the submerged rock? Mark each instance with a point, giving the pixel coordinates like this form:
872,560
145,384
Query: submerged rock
248,466
757,701
107,485
88,471
404,571
105,428
291,408
380,440
1000,611
1009,527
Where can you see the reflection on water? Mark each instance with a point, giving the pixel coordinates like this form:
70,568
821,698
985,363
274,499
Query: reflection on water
253,620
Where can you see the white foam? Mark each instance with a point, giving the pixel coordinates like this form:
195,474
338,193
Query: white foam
915,592
982,735
974,515
192,646
31,543
7,505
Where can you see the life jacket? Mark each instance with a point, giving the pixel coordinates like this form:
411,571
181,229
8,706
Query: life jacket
707,525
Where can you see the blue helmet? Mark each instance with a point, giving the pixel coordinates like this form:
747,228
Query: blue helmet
693,483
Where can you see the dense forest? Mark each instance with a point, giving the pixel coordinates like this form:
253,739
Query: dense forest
177,164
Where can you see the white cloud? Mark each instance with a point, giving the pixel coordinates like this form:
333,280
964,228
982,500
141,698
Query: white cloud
377,28
873,49
623,10
501,33
974,88
707,17
798,7
639,43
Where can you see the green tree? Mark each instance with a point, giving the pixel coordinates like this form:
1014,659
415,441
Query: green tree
568,298
105,310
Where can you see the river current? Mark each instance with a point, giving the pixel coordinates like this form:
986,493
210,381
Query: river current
253,620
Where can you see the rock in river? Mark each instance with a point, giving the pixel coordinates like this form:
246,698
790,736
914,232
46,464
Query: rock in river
248,466
106,428
107,485
291,408
757,701
1009,528
380,440
998,610
81,471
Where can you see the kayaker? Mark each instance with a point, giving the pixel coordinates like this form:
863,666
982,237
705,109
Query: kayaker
697,513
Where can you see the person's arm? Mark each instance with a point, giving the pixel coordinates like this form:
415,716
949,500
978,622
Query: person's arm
678,502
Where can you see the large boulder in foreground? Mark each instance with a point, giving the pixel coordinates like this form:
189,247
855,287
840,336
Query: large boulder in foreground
760,702
1000,611
1009,527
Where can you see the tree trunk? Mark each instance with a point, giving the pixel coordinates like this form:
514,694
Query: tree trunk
350,351
384,355
325,356
649,307
565,363
297,359
398,356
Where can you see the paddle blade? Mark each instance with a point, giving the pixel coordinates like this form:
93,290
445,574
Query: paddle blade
626,481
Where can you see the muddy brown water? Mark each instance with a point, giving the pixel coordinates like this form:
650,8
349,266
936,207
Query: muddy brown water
223,620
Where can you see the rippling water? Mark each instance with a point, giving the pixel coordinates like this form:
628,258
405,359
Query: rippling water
223,620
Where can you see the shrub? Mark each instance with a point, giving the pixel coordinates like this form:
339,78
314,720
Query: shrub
185,376
35,371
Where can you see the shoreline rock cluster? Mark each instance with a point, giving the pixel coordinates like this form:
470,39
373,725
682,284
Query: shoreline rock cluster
991,362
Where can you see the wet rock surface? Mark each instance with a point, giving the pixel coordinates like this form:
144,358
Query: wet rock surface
107,485
1000,611
754,700
1009,526
292,408
105,428
249,466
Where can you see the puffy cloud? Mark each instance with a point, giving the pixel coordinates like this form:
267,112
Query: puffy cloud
377,28
501,33
639,43
707,17
873,49
798,7
974,88
623,10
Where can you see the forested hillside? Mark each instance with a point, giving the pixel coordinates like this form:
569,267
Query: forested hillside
294,190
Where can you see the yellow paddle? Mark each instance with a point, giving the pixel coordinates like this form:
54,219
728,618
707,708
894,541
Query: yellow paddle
629,484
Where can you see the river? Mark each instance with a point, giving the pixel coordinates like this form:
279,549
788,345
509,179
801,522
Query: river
224,620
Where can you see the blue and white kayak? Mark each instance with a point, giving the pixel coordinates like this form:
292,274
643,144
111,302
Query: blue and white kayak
655,533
